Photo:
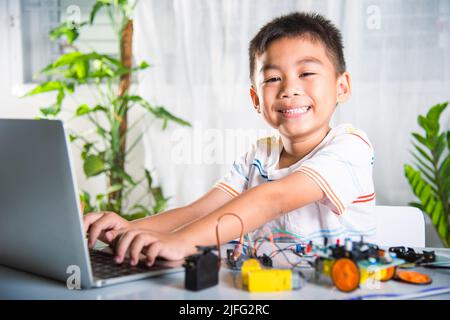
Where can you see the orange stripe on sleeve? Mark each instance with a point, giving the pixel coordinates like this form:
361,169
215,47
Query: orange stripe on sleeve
324,186
226,188
357,135
367,196
336,198
365,199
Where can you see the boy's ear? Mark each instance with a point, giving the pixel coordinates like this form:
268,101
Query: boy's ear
344,88
255,99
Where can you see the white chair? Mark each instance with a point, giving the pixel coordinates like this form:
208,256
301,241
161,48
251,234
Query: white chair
399,226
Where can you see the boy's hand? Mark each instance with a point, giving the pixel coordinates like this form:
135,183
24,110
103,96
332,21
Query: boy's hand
98,225
151,244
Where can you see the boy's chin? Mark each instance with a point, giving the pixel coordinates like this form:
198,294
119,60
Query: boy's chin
295,131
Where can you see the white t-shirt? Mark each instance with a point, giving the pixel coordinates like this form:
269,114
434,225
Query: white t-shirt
341,165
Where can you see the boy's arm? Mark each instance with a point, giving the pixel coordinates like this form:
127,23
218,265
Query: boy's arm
98,224
173,219
255,207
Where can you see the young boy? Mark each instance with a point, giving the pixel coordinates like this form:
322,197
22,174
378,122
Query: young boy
313,181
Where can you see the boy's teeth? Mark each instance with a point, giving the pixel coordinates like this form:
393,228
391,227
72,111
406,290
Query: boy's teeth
297,110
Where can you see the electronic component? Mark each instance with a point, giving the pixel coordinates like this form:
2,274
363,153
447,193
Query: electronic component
257,279
202,269
353,263
232,261
410,255
265,260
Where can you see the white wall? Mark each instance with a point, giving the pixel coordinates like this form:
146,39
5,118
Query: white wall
13,106
386,109
400,67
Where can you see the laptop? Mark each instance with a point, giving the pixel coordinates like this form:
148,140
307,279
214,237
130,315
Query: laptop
41,225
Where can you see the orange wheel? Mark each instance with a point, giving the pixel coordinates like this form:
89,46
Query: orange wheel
390,273
413,277
345,274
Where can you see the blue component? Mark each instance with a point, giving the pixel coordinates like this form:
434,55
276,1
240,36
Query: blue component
298,248
372,260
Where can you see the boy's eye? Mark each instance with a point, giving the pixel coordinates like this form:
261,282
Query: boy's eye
306,74
273,79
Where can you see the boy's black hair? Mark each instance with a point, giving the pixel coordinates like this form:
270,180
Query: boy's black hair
299,24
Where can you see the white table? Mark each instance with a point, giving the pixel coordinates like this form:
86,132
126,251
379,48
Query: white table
15,284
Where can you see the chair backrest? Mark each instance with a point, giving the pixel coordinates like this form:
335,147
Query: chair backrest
399,226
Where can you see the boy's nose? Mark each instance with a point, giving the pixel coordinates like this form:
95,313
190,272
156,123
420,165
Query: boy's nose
291,89
291,93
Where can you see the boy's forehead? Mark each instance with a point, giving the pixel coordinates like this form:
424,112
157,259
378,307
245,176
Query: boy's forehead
294,50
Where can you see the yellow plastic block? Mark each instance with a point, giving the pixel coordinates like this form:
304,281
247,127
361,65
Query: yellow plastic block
269,280
376,273
247,266
327,264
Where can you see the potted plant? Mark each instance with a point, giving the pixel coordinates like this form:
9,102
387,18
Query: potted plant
429,178
110,80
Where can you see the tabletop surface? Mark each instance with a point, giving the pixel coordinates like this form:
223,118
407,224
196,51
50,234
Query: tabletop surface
16,284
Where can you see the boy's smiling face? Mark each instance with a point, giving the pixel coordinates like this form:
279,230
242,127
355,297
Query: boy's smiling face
296,87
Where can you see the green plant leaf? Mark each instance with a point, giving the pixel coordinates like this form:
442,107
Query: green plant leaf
149,178
420,187
416,205
114,188
68,29
426,166
436,212
86,148
85,200
423,153
432,117
424,123
421,140
60,97
162,113
121,173
53,110
430,180
82,109
97,6
72,137
45,87
134,216
93,165
158,111
426,194
444,169
434,113
442,227
439,147
64,60
434,196
143,65
160,202
81,69
448,140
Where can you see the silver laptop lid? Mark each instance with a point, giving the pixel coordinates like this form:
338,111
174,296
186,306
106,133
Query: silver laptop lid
40,221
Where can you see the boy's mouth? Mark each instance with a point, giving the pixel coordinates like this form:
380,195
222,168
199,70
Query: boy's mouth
294,112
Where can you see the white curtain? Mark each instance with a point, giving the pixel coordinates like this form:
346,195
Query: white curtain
397,51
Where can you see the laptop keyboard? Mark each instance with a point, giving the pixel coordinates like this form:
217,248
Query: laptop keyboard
104,266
